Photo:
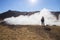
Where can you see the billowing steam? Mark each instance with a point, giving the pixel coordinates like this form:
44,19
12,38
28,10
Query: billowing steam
34,19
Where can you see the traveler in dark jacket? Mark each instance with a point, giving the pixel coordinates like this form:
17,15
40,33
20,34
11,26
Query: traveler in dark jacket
42,20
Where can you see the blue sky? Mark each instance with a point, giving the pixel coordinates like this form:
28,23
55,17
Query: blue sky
24,5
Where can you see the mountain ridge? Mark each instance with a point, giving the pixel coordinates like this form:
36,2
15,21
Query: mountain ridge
11,13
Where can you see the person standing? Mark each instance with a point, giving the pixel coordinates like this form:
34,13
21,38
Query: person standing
42,21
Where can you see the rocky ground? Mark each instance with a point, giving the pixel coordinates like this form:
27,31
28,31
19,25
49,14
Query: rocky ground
29,32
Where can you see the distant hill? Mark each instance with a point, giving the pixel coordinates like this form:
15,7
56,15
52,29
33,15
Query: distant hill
56,14
11,13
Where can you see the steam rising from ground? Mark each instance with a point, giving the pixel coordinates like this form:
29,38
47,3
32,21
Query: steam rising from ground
34,19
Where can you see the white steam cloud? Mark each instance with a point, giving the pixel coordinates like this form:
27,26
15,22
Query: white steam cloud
34,19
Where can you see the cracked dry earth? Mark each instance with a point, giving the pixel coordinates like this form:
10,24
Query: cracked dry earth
29,32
